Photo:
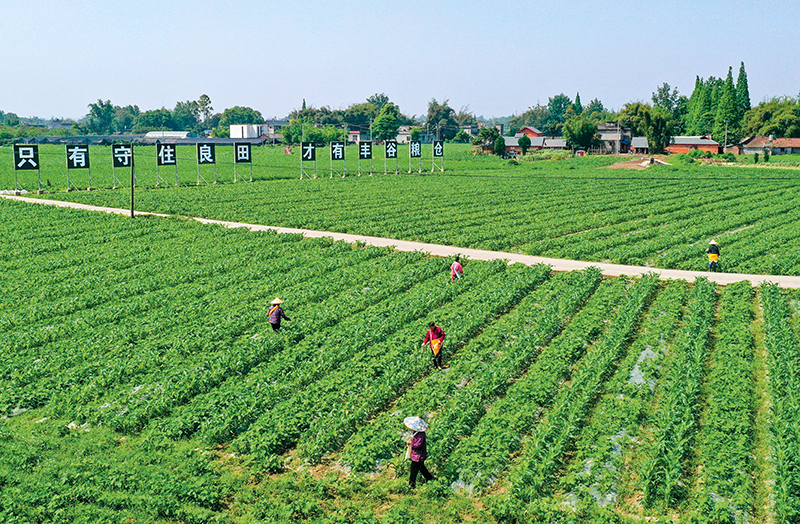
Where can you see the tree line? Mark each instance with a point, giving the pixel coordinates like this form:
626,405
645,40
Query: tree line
717,107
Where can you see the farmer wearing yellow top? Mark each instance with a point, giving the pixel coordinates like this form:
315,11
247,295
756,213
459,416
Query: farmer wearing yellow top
435,336
713,255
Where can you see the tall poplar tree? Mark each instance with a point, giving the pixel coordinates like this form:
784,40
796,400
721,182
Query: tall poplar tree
742,91
576,106
727,119
695,106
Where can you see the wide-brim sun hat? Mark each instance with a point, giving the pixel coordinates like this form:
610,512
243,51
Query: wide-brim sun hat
415,423
713,242
277,301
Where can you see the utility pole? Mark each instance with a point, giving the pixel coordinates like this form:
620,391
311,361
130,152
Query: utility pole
726,137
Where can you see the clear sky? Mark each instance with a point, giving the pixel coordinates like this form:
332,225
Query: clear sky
497,57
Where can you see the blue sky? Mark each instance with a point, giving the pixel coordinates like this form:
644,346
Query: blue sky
497,57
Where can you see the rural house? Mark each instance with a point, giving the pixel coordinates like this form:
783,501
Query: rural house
776,146
639,145
530,132
684,144
616,139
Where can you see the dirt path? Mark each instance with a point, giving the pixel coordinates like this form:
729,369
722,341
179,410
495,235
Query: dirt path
557,264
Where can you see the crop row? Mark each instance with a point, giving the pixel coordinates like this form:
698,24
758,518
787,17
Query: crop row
660,222
350,405
478,374
608,443
483,454
375,373
726,447
783,363
544,452
678,410
230,410
246,342
162,328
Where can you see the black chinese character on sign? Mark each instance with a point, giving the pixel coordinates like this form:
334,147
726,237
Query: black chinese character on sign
365,150
308,151
242,153
122,154
206,154
78,157
26,157
438,148
415,149
167,154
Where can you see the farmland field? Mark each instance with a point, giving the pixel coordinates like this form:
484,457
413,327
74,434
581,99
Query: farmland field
141,381
661,217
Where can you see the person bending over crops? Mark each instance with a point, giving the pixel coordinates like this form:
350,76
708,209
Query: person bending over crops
456,270
418,450
276,314
713,255
435,336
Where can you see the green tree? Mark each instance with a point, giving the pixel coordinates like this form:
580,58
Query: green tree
378,100
204,108
486,137
124,118
742,91
659,125
580,133
9,119
465,118
462,137
577,108
154,120
386,125
186,116
360,116
535,117
726,120
499,146
778,116
441,121
524,144
100,117
632,116
557,114
240,115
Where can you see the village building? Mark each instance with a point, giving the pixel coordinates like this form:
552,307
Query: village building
684,144
776,146
529,131
639,145
615,138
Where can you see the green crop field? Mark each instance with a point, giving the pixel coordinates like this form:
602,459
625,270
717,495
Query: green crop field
140,380
575,208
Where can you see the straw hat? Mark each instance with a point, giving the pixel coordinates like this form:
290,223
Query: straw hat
415,423
277,301
713,242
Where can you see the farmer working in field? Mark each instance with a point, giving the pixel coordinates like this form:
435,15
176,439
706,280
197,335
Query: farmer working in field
276,314
417,450
713,255
435,336
456,270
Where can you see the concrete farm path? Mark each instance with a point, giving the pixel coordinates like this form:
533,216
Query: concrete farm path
557,264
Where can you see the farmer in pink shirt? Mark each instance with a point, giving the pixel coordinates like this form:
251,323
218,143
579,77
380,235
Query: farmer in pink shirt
456,270
419,449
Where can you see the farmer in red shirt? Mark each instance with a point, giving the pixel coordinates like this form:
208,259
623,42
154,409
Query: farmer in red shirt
435,336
